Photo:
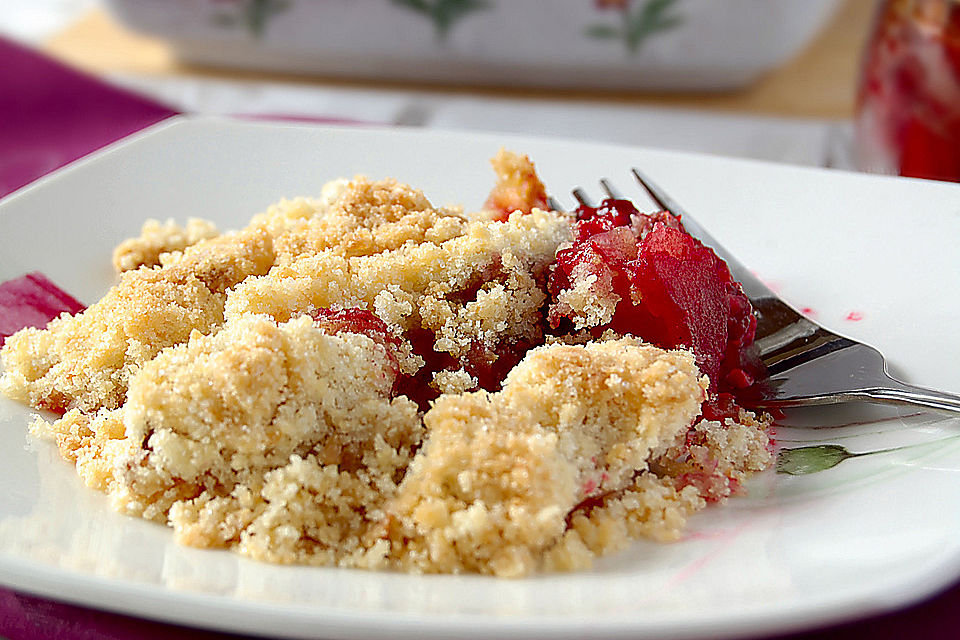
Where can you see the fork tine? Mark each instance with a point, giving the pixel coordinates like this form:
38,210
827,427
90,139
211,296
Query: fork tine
609,189
554,204
581,197
787,342
657,194
752,286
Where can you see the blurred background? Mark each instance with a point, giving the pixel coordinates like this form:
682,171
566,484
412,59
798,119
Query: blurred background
767,79
774,80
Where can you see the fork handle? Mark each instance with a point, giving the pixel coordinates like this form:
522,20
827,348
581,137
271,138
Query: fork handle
896,393
846,371
906,394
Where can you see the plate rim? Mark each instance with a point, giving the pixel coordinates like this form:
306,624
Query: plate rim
236,615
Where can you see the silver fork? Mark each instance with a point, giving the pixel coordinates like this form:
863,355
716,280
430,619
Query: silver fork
806,363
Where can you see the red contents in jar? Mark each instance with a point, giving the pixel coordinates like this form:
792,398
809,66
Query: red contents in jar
673,290
908,104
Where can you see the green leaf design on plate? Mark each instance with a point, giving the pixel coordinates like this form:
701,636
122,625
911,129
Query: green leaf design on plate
804,460
810,459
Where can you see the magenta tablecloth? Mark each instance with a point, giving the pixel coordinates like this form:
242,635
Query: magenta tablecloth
51,115
24,617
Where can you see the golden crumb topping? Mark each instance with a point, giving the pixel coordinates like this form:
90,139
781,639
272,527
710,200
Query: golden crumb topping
86,360
518,187
365,380
500,472
158,238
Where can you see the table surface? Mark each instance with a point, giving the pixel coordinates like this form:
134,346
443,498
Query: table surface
818,83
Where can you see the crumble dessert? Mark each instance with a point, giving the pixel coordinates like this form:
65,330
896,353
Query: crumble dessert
363,379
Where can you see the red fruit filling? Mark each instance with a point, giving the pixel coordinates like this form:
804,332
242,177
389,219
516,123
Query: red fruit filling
334,321
673,290
490,368
355,320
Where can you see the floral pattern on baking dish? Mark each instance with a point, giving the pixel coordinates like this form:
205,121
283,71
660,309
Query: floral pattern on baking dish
444,13
253,15
637,22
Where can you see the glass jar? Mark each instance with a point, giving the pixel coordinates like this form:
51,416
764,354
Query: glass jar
908,102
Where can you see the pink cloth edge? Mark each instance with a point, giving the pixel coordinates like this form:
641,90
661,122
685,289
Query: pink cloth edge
51,115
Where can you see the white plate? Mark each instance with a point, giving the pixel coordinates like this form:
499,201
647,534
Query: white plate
872,257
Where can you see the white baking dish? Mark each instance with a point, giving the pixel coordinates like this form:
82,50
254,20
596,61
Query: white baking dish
689,44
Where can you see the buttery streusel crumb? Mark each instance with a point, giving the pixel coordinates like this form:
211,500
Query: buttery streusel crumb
426,420
84,361
518,188
158,238
500,472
